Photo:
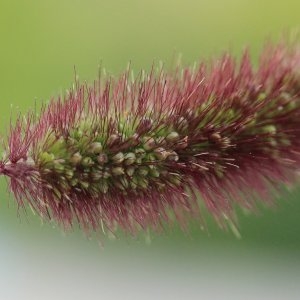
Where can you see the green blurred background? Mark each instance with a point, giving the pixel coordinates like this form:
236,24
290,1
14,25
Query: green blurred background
40,43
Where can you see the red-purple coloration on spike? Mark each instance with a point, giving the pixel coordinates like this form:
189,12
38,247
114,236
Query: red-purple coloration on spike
134,153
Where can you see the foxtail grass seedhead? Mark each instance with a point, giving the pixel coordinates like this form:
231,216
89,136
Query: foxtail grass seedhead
135,153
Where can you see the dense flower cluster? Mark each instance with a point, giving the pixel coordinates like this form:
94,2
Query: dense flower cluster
135,153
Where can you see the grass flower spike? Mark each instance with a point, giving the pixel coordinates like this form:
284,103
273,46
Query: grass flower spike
140,153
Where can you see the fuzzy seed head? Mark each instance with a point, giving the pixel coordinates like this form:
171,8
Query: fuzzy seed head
134,153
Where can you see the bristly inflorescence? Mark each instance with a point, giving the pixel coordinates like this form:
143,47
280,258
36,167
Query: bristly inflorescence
134,153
